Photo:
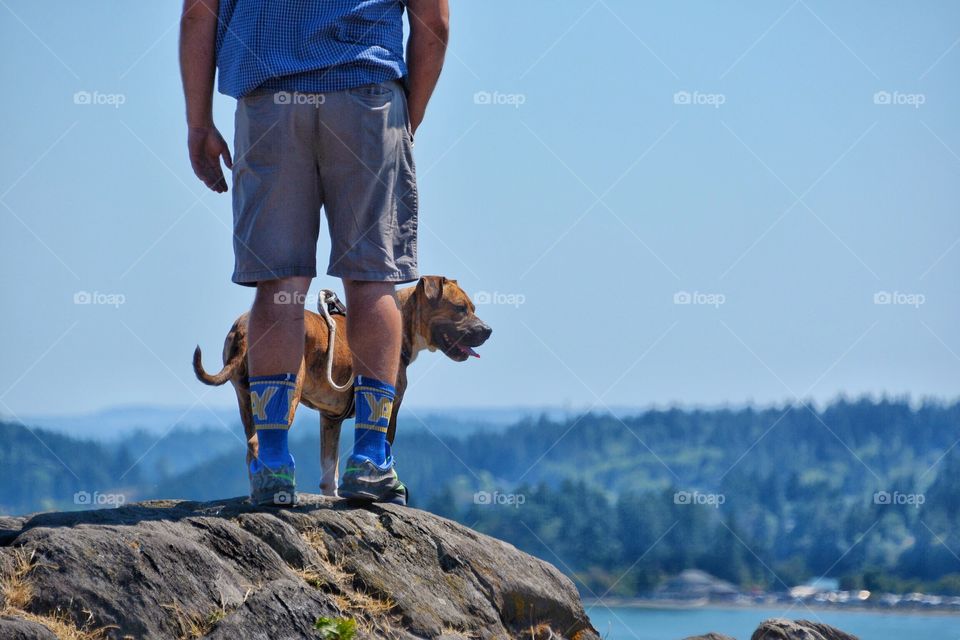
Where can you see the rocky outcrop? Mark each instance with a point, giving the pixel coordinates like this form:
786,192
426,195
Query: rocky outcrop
227,570
780,629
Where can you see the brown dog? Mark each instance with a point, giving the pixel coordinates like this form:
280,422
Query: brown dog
437,314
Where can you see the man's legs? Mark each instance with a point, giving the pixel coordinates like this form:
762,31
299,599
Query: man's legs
374,331
277,198
276,326
275,335
370,197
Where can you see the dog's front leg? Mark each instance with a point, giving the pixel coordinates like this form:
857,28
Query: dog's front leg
401,388
329,455
246,417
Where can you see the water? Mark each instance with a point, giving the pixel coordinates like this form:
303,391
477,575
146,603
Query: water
628,623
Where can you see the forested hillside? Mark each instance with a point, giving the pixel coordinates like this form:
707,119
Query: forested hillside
867,491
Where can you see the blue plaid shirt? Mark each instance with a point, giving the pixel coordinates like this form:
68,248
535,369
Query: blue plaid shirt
308,45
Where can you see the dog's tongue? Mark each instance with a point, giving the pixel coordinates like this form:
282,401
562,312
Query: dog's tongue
469,351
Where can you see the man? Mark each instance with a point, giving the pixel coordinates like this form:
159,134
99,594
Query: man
326,113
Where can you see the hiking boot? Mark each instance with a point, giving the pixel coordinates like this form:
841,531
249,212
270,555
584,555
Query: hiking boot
273,488
363,479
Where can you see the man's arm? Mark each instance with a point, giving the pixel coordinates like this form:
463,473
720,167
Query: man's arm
198,33
426,47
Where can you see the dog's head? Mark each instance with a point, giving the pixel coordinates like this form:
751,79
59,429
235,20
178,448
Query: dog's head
447,318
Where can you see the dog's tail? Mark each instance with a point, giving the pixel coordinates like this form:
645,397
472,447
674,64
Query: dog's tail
220,378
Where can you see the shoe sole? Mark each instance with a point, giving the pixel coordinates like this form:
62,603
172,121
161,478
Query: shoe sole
278,499
388,497
366,496
369,493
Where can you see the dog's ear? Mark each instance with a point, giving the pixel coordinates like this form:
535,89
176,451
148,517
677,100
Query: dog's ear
431,288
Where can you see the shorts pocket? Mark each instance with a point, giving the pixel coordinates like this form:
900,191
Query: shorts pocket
372,95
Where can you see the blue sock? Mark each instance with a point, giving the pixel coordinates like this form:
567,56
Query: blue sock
270,398
374,401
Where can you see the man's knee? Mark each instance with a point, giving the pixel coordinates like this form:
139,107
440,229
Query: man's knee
283,294
293,283
366,290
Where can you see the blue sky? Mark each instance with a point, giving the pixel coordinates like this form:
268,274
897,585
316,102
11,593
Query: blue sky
788,165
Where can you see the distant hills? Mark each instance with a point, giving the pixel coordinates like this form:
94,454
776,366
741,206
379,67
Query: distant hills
115,423
867,491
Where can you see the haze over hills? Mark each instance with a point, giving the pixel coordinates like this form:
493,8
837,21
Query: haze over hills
116,422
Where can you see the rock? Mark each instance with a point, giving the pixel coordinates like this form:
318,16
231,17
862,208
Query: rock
19,629
780,629
225,569
710,636
9,527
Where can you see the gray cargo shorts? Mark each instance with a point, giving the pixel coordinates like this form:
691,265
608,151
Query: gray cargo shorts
347,152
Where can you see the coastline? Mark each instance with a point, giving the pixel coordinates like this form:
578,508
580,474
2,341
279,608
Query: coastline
681,605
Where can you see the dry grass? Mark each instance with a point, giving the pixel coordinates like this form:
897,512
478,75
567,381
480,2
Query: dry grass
18,591
373,614
539,632
16,588
312,577
62,626
193,625
198,625
359,601
459,633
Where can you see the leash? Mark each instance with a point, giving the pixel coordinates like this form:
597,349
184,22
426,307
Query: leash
327,300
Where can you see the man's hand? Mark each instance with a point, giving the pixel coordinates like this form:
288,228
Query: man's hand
207,146
198,32
426,47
